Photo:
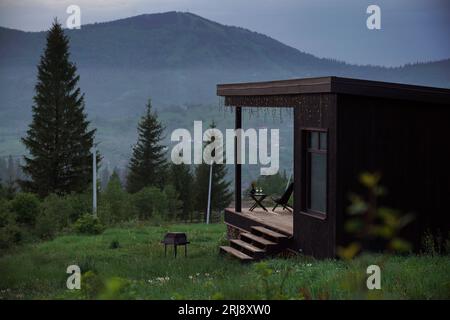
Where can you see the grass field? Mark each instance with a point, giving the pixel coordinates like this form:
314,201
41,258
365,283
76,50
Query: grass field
137,269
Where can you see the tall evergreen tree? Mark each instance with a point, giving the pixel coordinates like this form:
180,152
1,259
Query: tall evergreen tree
220,194
104,177
2,191
182,180
147,165
122,173
3,170
11,177
114,202
10,189
58,139
11,170
18,169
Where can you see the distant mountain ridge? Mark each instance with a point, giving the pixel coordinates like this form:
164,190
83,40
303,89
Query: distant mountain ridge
171,40
175,58
159,41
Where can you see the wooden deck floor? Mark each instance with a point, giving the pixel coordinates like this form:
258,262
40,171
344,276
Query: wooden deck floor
282,220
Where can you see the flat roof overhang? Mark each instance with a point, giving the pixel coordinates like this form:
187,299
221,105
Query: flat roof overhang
276,93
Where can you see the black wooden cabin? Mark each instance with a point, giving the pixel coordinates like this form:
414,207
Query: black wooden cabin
343,127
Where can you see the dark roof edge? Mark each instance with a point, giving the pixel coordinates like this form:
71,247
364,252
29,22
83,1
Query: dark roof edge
337,85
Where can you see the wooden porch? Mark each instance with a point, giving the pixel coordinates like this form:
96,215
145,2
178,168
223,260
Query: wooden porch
255,234
279,220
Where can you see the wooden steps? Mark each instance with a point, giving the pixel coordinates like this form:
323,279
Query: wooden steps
246,245
269,233
256,244
257,240
247,248
236,253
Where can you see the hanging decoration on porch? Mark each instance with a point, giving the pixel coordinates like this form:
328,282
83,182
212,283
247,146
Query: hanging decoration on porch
277,106
223,108
253,110
275,113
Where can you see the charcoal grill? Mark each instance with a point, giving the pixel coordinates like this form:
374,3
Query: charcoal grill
175,239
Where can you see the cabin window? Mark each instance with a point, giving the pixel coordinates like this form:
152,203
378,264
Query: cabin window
315,184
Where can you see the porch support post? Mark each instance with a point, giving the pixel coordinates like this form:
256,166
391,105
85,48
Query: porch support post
237,161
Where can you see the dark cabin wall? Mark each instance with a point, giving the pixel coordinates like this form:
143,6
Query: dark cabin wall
313,235
408,143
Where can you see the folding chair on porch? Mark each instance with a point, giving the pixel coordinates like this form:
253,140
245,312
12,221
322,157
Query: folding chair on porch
283,200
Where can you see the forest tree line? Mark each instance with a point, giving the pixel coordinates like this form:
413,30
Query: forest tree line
49,189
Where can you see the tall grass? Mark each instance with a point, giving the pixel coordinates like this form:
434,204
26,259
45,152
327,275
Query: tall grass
135,267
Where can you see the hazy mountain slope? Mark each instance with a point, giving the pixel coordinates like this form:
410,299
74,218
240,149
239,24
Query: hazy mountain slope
177,59
170,40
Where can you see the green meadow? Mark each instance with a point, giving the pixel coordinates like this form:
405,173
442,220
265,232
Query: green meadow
129,263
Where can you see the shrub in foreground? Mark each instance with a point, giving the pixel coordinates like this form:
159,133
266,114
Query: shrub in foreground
157,205
150,202
115,203
10,233
46,226
65,210
26,207
88,224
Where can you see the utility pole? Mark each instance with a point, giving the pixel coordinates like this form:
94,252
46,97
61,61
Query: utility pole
94,182
208,212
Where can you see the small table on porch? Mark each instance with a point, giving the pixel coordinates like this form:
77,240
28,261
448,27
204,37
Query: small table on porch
258,198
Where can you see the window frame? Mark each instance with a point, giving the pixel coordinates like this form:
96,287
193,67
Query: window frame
307,150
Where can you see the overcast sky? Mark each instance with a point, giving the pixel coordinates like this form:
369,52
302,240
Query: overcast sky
411,30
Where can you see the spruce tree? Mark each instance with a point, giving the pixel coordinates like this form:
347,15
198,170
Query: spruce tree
104,178
114,202
11,170
3,170
183,181
58,139
2,191
220,194
147,165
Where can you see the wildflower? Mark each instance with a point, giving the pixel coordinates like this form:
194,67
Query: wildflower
162,279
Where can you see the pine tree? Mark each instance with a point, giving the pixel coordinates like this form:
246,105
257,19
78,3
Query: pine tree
104,177
147,165
58,139
18,169
11,170
220,193
122,173
183,181
114,202
11,178
2,191
10,189
3,170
